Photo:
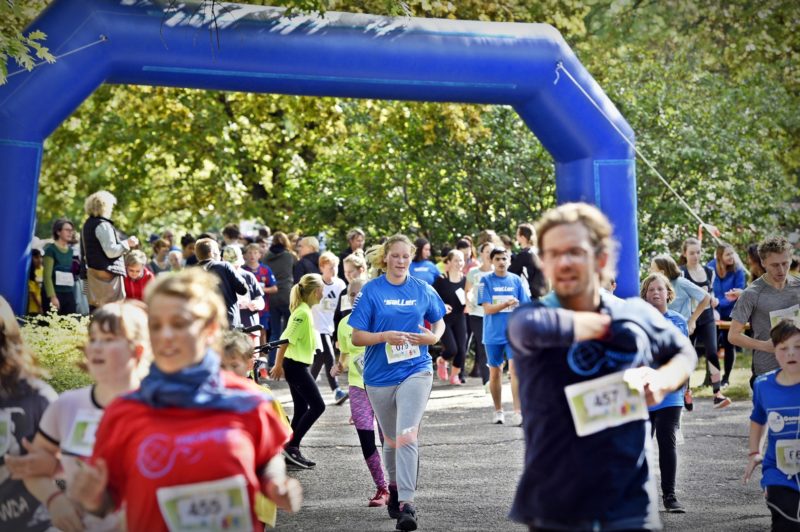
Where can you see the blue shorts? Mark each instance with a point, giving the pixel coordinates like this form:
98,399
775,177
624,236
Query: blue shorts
494,354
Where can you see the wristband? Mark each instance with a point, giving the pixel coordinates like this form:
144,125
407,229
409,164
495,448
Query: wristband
754,453
52,497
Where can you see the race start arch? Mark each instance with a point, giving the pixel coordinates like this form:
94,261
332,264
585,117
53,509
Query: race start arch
256,49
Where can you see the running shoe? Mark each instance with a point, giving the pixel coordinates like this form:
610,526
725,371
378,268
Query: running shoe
455,380
722,402
724,384
516,419
293,457
441,369
407,519
499,418
393,504
672,505
380,498
340,396
687,400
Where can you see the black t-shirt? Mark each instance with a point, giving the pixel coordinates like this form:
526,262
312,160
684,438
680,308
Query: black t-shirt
526,266
448,291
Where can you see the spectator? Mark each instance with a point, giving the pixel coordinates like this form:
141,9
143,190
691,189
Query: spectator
308,250
280,260
230,284
187,250
231,235
159,264
58,277
138,275
35,276
355,242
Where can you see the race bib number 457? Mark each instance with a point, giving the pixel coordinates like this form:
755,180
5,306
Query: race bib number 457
215,506
605,402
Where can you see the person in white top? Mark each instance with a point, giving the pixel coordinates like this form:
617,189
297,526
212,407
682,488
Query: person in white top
475,311
323,313
117,354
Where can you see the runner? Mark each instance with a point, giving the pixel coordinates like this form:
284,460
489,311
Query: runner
421,267
588,463
388,319
502,293
362,415
776,404
473,287
450,287
192,446
323,313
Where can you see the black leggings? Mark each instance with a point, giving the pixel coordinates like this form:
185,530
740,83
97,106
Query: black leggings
325,356
454,339
665,424
476,324
783,503
707,334
308,403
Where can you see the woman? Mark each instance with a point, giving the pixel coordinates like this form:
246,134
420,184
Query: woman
308,262
465,246
389,319
23,400
690,301
194,445
450,287
280,259
729,282
58,278
118,347
421,267
355,244
665,417
103,251
475,310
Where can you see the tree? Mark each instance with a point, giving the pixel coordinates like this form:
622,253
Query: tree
24,48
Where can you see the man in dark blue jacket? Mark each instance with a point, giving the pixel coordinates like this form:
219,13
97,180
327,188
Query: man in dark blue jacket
230,284
588,366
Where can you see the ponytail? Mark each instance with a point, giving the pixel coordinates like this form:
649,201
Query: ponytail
303,290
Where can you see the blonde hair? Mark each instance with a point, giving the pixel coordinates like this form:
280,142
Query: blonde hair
656,276
101,203
355,286
126,319
376,255
16,360
597,225
303,290
236,344
328,258
310,241
198,288
356,260
134,257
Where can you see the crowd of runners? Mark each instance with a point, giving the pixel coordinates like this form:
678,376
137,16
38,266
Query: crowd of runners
180,431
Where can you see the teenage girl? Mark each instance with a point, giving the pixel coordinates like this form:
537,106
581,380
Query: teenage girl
450,287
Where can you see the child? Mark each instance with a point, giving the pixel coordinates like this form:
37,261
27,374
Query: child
264,275
293,360
138,275
776,403
323,314
35,277
352,357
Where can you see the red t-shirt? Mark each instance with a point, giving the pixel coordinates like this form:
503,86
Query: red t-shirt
134,288
149,451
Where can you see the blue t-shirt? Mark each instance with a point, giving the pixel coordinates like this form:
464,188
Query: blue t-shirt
382,306
687,296
603,479
674,398
425,270
778,407
495,288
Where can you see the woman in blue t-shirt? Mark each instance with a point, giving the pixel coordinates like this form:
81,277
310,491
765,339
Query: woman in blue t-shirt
389,319
421,267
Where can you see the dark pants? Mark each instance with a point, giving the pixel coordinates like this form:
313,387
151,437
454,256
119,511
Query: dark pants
783,504
454,339
476,324
665,424
308,403
278,318
706,333
325,356
730,353
66,303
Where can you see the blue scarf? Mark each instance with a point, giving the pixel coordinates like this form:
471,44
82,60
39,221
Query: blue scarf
198,386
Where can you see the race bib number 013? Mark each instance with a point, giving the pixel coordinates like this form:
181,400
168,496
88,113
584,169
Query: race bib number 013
398,353
603,403
215,506
787,454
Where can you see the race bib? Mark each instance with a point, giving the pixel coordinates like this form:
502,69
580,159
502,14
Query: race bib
346,305
605,402
787,455
462,297
358,363
5,431
398,353
64,278
217,505
791,313
329,305
502,299
81,437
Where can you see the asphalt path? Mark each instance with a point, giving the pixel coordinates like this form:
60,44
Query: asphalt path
469,469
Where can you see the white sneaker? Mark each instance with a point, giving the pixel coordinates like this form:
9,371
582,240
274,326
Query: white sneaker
516,419
499,418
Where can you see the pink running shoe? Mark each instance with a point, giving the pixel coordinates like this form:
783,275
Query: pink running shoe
380,499
455,380
441,369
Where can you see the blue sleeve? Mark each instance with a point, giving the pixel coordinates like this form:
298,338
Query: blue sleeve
435,310
534,327
362,313
255,287
759,414
694,291
485,295
738,279
271,281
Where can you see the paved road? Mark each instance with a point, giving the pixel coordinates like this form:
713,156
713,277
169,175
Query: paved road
469,470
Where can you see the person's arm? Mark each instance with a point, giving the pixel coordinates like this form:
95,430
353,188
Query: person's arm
277,369
657,383
736,336
692,321
49,288
237,283
107,237
90,488
284,491
427,336
494,308
537,327
754,453
366,338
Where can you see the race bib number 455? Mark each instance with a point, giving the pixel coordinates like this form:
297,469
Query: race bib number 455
605,402
215,506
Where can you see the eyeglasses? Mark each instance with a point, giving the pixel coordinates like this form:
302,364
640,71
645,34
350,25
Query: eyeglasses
574,255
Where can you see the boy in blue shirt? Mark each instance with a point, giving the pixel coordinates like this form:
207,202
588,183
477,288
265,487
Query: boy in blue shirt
502,292
776,404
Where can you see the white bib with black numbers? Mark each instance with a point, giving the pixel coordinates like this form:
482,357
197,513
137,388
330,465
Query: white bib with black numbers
605,402
399,353
209,506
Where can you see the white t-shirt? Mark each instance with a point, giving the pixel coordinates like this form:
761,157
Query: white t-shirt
324,310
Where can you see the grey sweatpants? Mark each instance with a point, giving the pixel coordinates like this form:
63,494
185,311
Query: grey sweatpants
399,411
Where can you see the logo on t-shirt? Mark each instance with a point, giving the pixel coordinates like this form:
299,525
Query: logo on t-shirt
503,288
158,453
400,302
777,422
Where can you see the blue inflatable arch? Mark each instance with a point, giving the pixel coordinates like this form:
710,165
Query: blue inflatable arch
345,55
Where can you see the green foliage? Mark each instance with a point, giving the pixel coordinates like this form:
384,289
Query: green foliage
14,44
57,341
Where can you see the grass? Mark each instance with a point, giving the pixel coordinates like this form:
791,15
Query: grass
739,389
56,341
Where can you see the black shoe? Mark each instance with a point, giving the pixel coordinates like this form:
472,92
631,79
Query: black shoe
407,519
672,505
393,506
293,457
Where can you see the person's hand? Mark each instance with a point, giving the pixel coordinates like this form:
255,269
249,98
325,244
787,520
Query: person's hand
54,303
447,308
133,242
88,487
650,381
512,303
65,514
336,370
733,294
37,463
426,337
692,325
590,325
287,495
754,461
714,302
395,337
277,372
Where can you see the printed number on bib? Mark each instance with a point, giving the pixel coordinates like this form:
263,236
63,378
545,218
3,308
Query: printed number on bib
81,435
64,278
605,402
502,299
787,455
329,305
791,313
216,505
358,362
398,353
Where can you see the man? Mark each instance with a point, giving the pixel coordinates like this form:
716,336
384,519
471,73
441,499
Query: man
230,284
526,264
585,364
774,295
